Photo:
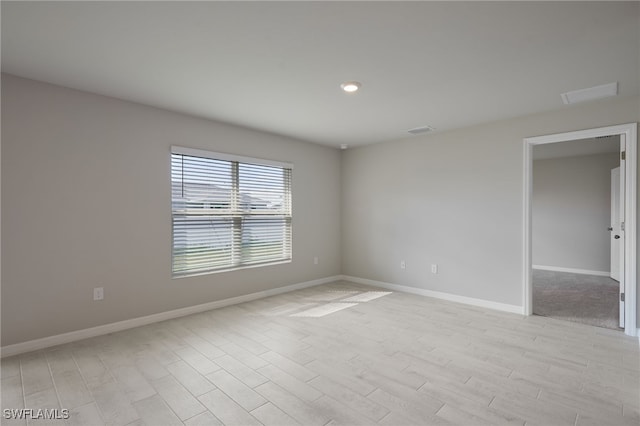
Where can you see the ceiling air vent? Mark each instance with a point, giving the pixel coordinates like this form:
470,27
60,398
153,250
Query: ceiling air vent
418,130
590,94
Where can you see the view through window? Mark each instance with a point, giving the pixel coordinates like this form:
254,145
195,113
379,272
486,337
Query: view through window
228,212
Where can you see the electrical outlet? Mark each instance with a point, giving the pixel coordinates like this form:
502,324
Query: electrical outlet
434,269
315,260
98,293
403,264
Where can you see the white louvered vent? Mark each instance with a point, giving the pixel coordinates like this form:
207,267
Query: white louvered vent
590,94
422,129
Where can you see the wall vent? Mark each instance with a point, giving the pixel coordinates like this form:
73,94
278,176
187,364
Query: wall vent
590,94
422,129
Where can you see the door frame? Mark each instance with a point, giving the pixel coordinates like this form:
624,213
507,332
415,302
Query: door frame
630,212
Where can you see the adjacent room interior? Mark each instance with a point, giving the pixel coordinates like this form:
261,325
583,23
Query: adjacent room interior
576,271
319,213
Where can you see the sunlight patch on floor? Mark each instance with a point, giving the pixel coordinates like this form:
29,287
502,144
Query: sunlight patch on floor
366,296
330,296
338,300
322,310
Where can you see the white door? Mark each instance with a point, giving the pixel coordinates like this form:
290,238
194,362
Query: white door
614,228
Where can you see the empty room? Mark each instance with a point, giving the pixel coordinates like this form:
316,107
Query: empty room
319,213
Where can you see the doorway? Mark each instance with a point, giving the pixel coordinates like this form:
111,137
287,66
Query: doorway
627,135
571,241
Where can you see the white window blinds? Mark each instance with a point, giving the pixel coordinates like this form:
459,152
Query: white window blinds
228,212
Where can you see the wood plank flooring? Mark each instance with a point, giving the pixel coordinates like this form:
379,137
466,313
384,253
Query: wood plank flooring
306,358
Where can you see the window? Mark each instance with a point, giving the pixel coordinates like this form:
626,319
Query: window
228,212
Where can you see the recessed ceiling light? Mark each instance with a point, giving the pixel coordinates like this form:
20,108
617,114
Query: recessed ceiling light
344,146
590,93
350,86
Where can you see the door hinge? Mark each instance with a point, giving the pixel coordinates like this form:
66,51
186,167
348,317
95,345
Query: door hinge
622,226
623,155
622,297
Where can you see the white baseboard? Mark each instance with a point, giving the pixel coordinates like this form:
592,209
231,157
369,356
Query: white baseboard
572,270
439,295
100,330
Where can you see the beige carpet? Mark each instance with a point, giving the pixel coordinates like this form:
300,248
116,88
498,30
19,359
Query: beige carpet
587,299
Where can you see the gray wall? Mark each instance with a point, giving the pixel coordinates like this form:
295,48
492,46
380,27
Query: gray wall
571,211
454,199
86,203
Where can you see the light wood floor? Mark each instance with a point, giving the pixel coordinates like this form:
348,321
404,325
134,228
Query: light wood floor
337,354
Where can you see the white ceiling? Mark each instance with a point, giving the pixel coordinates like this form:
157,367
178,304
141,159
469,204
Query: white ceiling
277,66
